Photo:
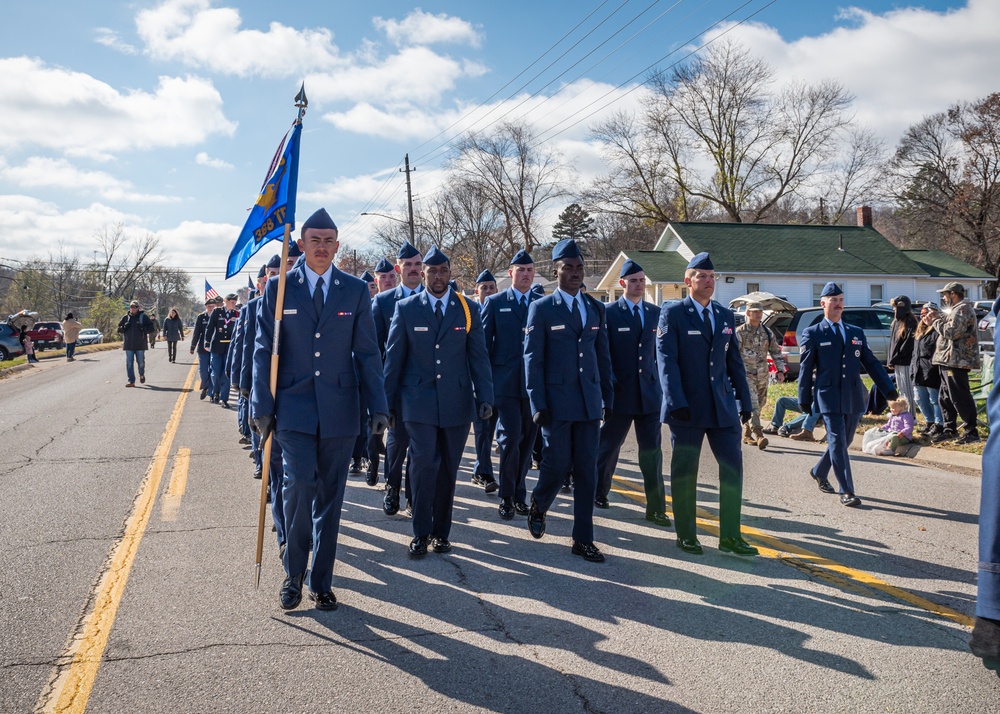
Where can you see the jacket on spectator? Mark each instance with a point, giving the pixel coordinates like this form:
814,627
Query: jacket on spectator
134,329
958,341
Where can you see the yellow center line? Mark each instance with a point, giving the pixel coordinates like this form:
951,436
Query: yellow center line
176,487
73,682
831,571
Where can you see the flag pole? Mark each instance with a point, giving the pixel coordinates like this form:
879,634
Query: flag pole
279,303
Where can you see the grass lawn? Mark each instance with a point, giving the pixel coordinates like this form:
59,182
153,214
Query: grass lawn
791,389
45,356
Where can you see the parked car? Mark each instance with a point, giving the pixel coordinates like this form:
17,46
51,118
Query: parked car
10,345
875,321
46,335
982,308
987,326
775,308
90,336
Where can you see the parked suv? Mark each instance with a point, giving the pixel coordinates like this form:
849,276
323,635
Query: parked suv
46,334
875,321
10,345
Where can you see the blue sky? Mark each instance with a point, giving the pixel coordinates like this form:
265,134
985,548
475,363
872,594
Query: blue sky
162,115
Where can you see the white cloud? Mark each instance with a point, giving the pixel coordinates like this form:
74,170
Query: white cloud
111,39
423,28
901,66
199,35
71,111
415,75
43,172
203,159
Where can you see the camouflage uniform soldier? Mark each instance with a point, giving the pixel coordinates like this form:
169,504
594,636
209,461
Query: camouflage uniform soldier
756,343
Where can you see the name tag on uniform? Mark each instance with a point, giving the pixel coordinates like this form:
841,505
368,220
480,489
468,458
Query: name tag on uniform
694,332
505,309
825,344
420,329
558,327
624,329
291,311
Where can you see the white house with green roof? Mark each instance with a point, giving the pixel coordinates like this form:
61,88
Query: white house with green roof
795,262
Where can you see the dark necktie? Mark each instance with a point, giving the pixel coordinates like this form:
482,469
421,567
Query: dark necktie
637,318
318,297
524,301
438,312
707,323
840,336
574,313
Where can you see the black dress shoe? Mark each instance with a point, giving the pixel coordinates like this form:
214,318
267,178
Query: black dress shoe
985,642
491,485
355,466
480,479
506,509
690,545
225,404
602,502
418,547
824,484
589,552
521,508
850,500
244,440
257,474
736,545
660,519
536,521
390,504
440,545
408,511
324,601
291,591
567,486
371,476
204,393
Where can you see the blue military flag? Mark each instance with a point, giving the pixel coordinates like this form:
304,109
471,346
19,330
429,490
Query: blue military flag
274,207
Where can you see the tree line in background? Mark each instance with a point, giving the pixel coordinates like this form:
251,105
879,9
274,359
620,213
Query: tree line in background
716,140
123,268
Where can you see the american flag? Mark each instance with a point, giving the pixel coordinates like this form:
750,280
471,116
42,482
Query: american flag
210,291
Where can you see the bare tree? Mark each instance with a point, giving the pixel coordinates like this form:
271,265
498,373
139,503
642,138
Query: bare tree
125,260
946,179
516,175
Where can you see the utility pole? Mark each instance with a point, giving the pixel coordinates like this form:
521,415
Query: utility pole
409,193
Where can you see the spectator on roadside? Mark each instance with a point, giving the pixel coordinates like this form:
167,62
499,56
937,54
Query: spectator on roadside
956,354
900,425
926,376
156,331
134,328
173,331
28,344
901,334
71,333
798,429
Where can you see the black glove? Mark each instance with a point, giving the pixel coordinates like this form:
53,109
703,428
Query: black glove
605,414
892,394
542,417
263,425
745,417
392,420
485,411
245,393
379,423
682,414
805,408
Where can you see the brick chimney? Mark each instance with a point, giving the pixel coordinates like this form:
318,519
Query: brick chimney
865,217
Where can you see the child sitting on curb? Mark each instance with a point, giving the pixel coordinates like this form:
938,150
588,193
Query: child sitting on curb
900,425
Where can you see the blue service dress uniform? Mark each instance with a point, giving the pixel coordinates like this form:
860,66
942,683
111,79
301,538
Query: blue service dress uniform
568,374
234,364
204,356
836,390
483,429
702,371
504,321
218,335
397,441
323,357
638,398
436,377
249,331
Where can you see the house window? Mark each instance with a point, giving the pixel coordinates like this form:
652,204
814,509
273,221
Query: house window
753,287
818,288
876,293
684,293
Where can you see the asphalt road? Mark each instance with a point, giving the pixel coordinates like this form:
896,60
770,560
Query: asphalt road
126,588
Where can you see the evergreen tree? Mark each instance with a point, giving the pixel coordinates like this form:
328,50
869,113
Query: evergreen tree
575,223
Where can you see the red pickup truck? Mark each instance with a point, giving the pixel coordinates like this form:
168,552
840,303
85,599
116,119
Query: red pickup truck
46,334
